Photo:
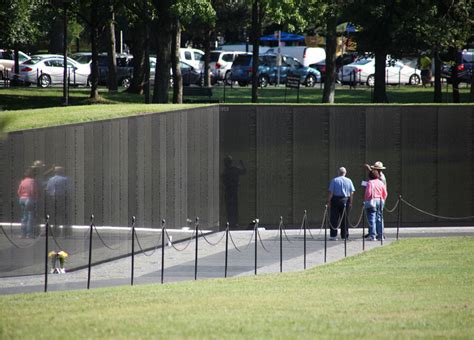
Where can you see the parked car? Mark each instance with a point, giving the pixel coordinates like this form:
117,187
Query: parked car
48,69
305,55
341,61
363,71
465,67
241,70
7,62
221,63
191,76
124,66
192,56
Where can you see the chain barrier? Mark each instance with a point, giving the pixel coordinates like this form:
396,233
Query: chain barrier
209,242
340,220
54,238
393,209
143,250
170,241
436,216
261,241
102,240
322,223
36,240
248,244
282,226
358,222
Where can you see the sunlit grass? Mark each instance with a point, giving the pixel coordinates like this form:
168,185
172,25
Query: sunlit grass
410,289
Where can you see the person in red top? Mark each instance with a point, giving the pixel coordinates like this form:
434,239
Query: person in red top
28,197
376,192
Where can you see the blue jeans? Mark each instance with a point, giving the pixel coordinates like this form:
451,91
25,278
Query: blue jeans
375,218
28,211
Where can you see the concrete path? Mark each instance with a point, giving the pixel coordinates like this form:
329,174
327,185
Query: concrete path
180,260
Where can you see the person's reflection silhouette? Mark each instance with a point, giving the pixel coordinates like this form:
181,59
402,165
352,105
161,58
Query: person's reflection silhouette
231,181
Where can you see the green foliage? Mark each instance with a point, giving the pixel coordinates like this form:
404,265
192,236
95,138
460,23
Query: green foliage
17,27
195,11
411,289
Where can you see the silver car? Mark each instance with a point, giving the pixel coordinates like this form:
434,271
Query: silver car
46,70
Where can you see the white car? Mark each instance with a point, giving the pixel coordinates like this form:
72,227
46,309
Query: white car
7,62
363,71
47,70
221,63
192,56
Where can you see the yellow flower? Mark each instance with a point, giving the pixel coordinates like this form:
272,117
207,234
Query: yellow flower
62,254
52,254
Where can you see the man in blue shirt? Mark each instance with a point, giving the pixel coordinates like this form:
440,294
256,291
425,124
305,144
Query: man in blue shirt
341,190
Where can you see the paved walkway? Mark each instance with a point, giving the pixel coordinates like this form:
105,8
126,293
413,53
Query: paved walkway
180,265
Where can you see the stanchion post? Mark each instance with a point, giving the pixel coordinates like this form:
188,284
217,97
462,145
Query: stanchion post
133,250
399,215
90,253
162,249
383,227
256,238
304,240
46,248
344,219
226,248
281,244
196,250
325,237
363,227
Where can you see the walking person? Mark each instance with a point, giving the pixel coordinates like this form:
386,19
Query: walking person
374,200
28,196
341,191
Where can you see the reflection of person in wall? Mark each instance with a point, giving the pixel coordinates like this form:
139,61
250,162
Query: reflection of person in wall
28,197
57,189
231,181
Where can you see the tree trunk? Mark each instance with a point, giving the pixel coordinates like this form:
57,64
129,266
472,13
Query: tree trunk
256,31
380,93
138,48
177,77
111,54
207,58
94,48
438,95
55,36
331,45
163,56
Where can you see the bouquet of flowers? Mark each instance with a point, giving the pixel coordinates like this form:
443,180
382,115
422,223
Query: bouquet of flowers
57,261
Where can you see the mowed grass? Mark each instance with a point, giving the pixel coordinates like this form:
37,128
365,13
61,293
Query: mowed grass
412,288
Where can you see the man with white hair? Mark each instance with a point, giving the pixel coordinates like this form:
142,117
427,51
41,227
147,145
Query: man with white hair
341,190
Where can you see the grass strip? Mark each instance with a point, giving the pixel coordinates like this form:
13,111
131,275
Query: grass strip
412,288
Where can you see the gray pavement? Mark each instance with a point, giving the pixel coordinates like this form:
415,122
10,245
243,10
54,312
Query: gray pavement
180,260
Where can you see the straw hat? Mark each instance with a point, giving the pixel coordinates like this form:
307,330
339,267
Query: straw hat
378,166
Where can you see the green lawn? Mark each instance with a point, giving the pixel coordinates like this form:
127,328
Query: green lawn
412,288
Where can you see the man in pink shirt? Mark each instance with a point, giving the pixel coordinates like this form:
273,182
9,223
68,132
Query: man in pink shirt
28,196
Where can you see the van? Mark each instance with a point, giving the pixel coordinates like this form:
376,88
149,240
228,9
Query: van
192,56
305,55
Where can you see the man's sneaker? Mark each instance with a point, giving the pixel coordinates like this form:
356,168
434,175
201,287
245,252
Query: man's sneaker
378,238
372,238
333,238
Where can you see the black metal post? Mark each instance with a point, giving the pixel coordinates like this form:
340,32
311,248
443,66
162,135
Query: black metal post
344,218
196,251
46,255
226,247
162,249
304,240
326,237
90,253
383,230
399,215
133,249
281,244
256,236
363,227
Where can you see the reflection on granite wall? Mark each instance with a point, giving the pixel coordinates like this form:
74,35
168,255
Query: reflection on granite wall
153,166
